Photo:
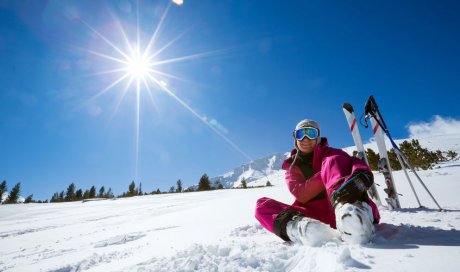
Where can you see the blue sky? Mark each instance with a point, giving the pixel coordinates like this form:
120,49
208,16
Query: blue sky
252,70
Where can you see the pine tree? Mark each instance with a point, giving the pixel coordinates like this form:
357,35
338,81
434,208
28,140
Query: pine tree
61,196
268,184
373,159
428,158
92,192
204,184
418,156
179,186
440,155
140,189
101,192
109,193
3,189
55,197
394,162
172,189
244,185
219,185
29,199
70,196
452,155
132,189
408,150
14,194
79,194
86,194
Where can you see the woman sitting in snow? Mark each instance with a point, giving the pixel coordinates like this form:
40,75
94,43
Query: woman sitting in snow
330,190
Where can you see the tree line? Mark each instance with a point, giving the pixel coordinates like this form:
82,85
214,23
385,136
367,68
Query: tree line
73,194
204,184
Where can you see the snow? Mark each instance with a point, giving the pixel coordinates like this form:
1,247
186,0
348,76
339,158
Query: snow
217,231
229,174
3,197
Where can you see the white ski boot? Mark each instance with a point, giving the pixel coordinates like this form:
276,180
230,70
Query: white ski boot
355,222
308,231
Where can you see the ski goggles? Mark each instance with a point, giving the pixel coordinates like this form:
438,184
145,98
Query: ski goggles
309,132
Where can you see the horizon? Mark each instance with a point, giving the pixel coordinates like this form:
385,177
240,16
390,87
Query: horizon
227,88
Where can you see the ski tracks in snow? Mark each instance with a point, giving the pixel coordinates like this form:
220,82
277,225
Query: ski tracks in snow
120,239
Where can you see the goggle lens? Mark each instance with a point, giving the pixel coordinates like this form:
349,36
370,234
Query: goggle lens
309,132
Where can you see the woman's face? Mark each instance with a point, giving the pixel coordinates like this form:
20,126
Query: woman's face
306,145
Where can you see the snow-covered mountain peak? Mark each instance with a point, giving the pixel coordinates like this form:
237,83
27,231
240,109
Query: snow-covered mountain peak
253,172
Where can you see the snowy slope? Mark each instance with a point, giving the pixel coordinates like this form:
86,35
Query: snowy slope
216,231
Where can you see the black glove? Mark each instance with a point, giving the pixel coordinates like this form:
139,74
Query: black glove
353,189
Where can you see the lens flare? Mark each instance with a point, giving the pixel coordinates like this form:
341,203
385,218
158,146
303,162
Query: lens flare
178,2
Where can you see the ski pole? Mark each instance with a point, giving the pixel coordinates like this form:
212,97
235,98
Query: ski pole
408,178
419,179
397,150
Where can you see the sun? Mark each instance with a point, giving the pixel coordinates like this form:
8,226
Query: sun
138,66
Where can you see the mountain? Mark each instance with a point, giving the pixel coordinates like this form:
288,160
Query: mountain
255,173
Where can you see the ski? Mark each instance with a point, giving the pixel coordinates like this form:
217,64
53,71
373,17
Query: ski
371,111
352,124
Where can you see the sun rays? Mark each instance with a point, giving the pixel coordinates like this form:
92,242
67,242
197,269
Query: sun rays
137,66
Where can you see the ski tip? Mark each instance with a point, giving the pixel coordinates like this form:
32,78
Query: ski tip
348,107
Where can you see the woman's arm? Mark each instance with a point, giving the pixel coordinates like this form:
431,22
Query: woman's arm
303,190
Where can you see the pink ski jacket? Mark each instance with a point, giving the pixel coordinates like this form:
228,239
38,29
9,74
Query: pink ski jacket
329,165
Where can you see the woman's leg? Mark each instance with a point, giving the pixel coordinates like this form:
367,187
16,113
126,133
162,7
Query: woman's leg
274,215
267,210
